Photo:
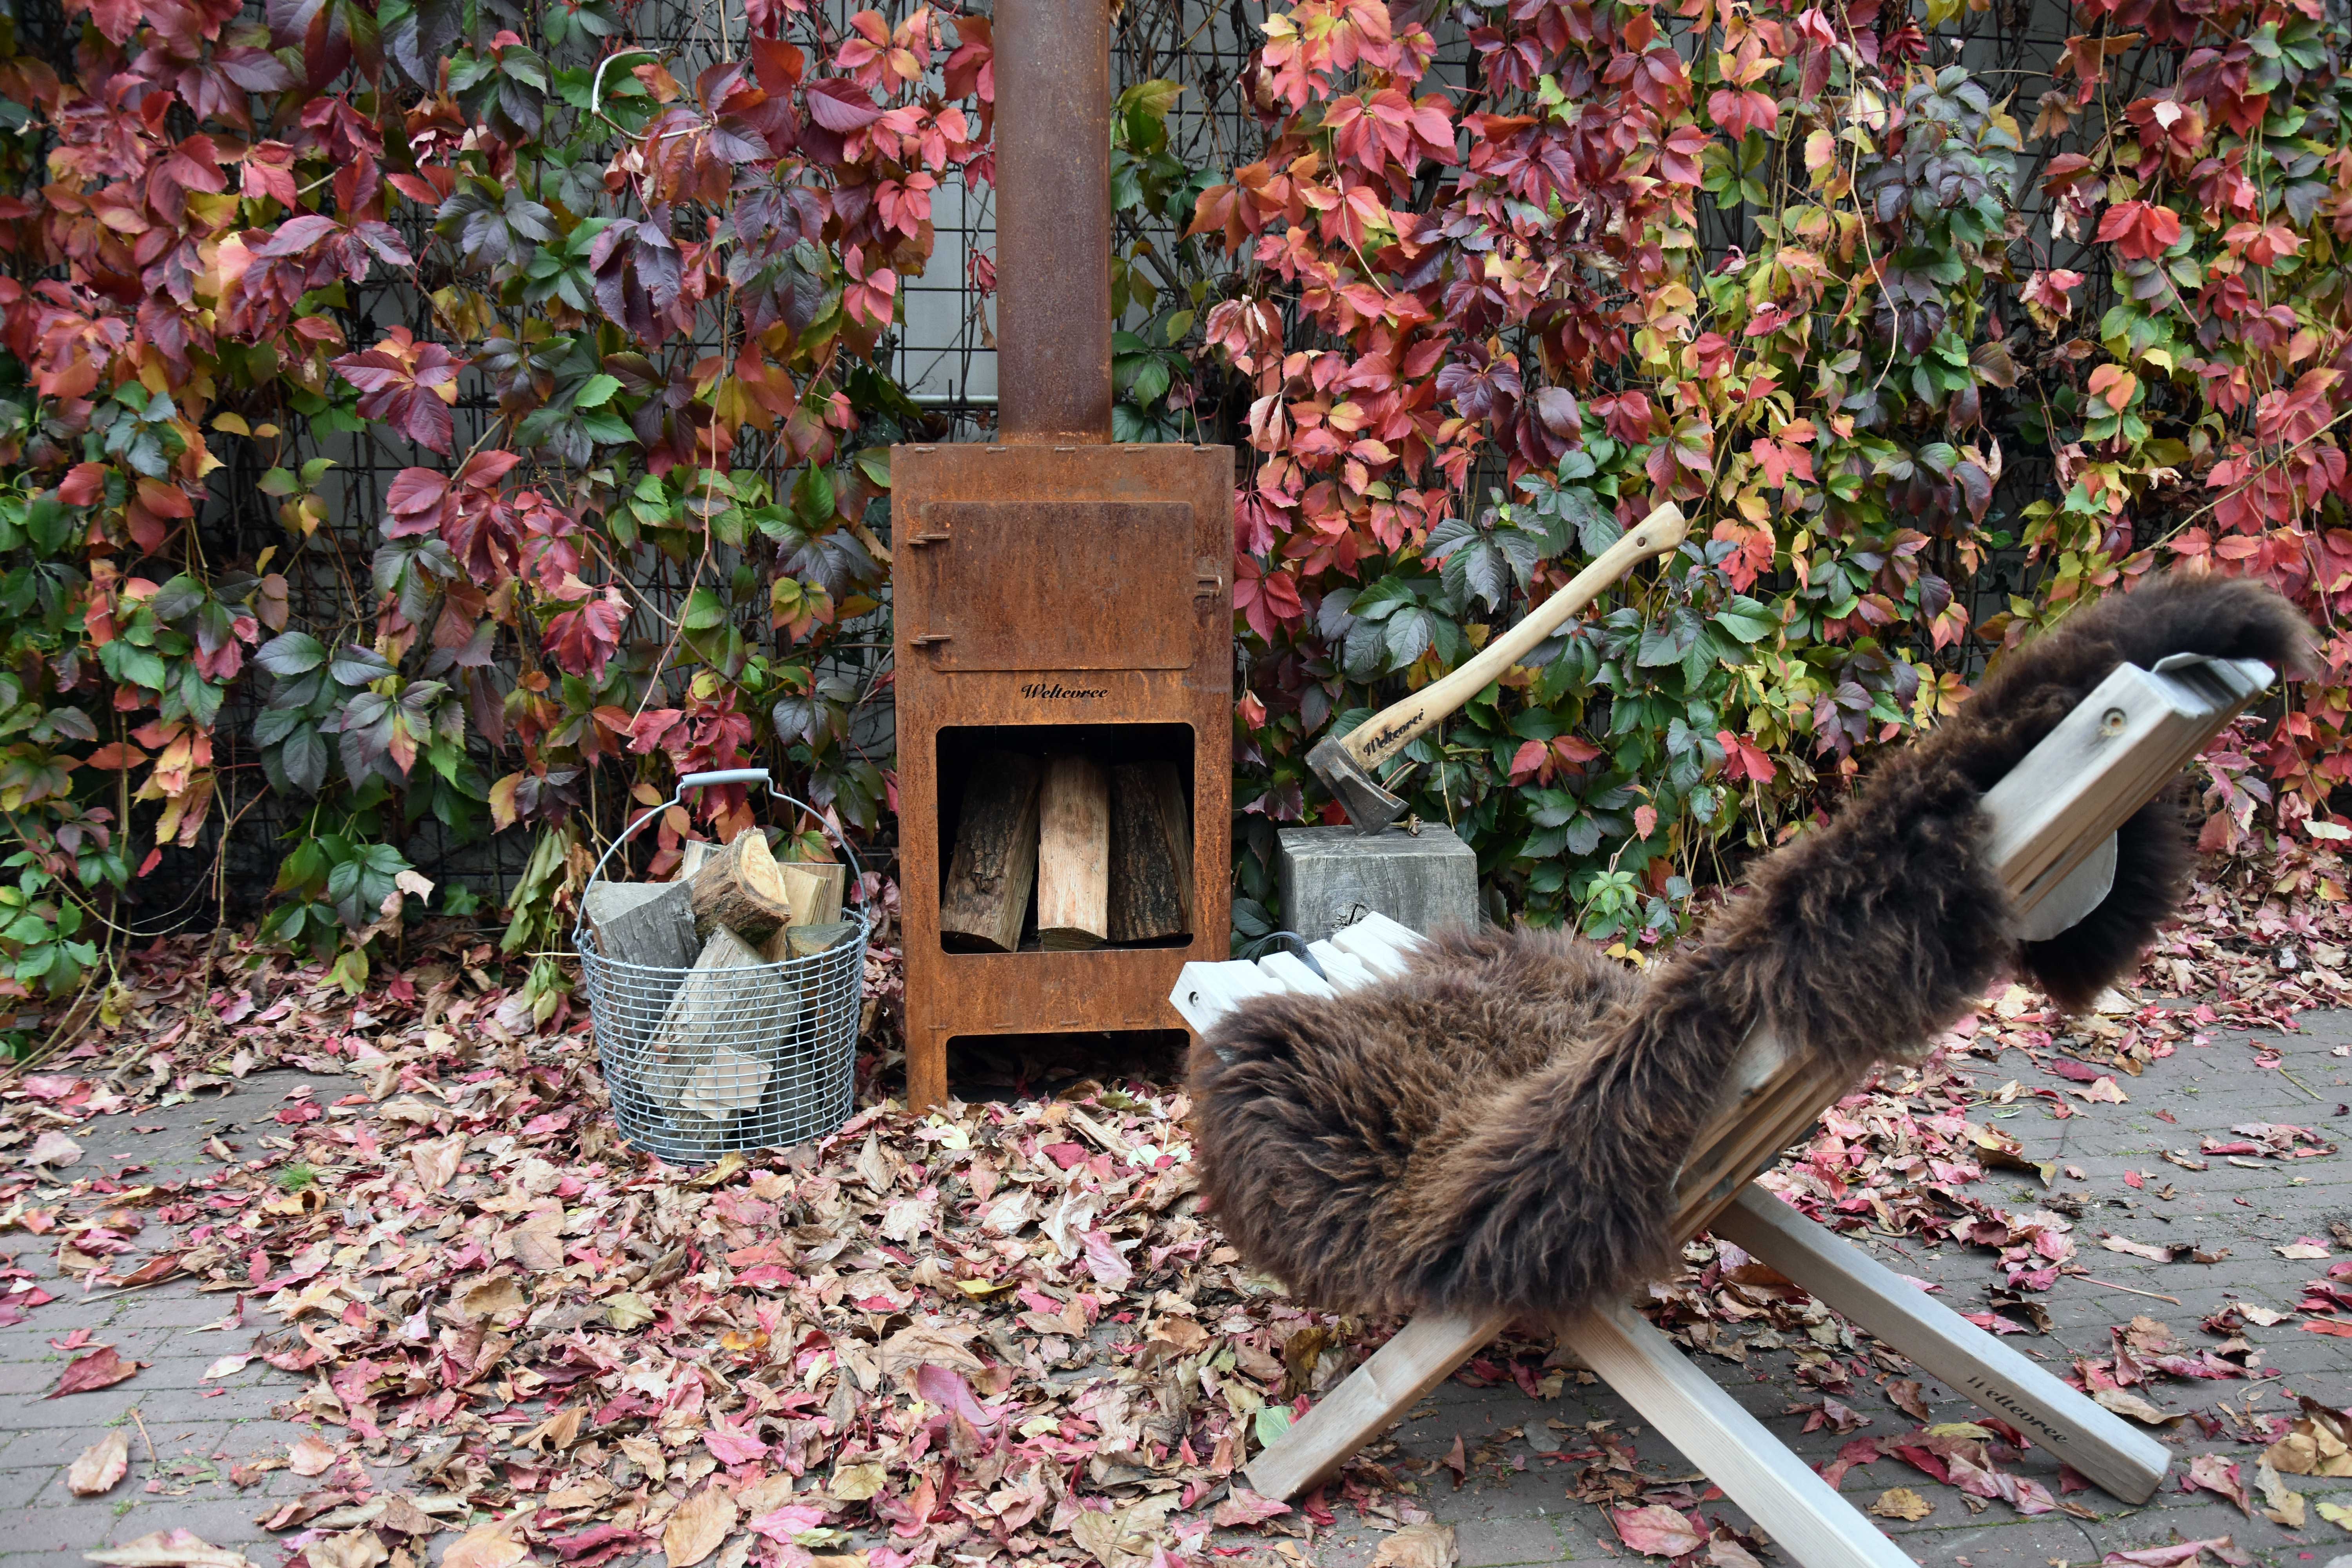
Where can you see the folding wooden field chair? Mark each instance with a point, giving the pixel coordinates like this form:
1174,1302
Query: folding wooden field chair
2053,819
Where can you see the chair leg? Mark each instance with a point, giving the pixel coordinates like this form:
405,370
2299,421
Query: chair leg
1804,1517
1422,1354
2100,1444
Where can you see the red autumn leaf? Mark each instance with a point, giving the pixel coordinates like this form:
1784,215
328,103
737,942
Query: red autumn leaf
583,639
2141,230
84,485
407,384
732,1445
101,1368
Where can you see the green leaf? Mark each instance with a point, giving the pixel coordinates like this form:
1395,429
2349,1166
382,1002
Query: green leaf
292,654
596,391
1745,619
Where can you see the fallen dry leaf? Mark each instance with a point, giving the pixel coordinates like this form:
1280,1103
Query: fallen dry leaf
2125,1243
169,1549
492,1545
309,1456
102,1465
1418,1546
1656,1530
1244,1507
351,1549
2216,1473
53,1148
2124,1402
2282,1504
1902,1503
101,1368
699,1526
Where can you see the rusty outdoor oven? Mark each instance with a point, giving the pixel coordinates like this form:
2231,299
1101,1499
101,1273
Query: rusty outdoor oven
1056,591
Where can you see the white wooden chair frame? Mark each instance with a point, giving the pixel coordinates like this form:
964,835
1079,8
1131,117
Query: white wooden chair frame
2055,812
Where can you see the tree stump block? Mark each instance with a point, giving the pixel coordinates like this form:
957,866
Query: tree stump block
1329,877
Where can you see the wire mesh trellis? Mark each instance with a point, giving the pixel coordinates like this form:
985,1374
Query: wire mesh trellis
702,1061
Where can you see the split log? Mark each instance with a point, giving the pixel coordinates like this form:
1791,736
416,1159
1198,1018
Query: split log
691,854
816,983
815,887
728,1082
743,889
995,860
650,924
808,941
732,1000
1073,855
1151,894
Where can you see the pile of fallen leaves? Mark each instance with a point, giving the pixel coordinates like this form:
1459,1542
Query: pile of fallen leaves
1006,1330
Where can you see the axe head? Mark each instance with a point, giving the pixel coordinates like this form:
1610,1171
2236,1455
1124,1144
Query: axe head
1368,805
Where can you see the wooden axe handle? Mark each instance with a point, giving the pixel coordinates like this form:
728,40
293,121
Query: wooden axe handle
1385,733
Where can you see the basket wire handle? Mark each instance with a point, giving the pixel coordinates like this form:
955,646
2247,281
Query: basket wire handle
737,775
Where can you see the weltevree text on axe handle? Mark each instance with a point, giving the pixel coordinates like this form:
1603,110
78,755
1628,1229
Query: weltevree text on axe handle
1385,733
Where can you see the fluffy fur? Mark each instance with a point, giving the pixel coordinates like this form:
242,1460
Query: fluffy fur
1502,1126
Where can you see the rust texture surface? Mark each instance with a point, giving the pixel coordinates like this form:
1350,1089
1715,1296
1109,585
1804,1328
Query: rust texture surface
1033,562
1053,220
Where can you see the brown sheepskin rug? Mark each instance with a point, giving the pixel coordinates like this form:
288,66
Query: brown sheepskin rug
1501,1127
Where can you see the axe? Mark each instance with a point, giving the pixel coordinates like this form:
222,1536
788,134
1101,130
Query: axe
1345,764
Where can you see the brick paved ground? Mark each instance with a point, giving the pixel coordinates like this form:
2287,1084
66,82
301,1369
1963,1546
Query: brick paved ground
189,1432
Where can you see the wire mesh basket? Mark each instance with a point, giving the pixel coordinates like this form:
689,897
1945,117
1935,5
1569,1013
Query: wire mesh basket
756,1055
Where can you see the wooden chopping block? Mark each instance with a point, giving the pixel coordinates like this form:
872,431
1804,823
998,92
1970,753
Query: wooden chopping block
1151,892
1073,855
995,860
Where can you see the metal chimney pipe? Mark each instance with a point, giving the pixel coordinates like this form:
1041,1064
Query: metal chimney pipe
1053,221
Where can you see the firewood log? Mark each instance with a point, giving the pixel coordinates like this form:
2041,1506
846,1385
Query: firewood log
808,940
728,1082
1152,893
820,986
643,922
733,999
1073,855
743,889
815,887
691,854
995,860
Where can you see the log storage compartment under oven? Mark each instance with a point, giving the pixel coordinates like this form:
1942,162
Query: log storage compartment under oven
1064,703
